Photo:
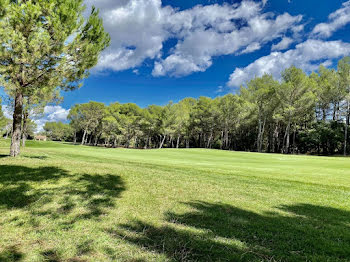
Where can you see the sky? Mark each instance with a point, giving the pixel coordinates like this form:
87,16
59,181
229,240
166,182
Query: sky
166,50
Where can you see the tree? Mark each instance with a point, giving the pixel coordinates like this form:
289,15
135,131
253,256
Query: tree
87,117
58,131
182,119
204,120
47,45
260,92
35,106
328,92
344,78
297,97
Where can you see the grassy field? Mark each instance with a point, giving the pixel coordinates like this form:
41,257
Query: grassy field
60,202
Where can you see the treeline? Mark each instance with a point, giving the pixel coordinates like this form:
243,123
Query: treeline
299,114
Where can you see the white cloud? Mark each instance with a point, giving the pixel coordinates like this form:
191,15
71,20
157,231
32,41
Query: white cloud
139,29
195,52
136,29
283,44
336,20
220,89
307,56
7,111
51,114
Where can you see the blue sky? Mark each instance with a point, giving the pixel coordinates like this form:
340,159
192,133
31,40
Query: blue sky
144,89
164,50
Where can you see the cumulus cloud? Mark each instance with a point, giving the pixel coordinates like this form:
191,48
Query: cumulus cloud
336,20
283,44
307,55
136,29
139,29
51,114
228,29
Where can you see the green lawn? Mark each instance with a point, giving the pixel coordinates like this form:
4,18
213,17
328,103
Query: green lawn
60,202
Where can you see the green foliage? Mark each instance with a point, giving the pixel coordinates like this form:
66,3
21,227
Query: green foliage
47,46
58,131
3,119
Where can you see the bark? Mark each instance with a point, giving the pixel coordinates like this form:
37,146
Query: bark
162,142
146,142
178,141
75,138
7,133
259,135
324,115
294,142
287,138
84,136
346,129
25,126
17,124
209,140
171,142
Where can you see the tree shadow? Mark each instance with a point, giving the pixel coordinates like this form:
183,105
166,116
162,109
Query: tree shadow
17,189
220,232
22,186
37,157
54,195
11,254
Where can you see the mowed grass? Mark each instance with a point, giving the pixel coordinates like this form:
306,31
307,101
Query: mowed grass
60,202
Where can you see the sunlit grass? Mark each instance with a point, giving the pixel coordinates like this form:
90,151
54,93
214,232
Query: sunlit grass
61,202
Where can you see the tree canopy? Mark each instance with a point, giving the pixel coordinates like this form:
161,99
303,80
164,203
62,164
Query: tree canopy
47,46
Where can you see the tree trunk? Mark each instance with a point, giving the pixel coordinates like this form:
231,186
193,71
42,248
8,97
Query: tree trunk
346,129
324,115
17,123
96,140
84,135
209,140
24,131
7,133
75,138
162,142
287,138
178,141
294,142
259,135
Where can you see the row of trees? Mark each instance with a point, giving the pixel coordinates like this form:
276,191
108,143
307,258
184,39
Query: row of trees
299,114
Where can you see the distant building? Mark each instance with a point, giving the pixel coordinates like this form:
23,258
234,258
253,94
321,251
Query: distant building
40,138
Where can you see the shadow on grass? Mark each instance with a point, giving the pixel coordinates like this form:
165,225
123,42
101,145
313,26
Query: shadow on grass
219,232
37,157
17,184
11,254
23,186
51,194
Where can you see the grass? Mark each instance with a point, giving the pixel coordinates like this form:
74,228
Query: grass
60,202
